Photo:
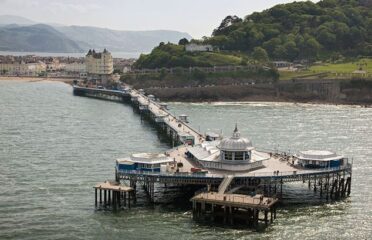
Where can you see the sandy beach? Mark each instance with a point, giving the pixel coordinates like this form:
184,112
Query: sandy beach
35,79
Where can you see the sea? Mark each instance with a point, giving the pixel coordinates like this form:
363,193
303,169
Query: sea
54,147
77,55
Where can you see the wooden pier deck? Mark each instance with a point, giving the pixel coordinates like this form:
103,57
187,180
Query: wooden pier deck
236,200
157,111
234,207
114,194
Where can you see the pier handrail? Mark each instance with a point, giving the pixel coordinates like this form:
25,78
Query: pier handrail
283,174
101,90
163,174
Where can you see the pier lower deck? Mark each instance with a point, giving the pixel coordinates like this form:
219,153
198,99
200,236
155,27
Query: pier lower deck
113,194
234,207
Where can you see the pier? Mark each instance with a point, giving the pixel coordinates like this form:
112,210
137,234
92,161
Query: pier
234,207
157,113
237,182
113,194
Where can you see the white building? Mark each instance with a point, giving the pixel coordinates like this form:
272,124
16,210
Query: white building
99,63
192,47
76,67
147,162
21,68
230,154
320,159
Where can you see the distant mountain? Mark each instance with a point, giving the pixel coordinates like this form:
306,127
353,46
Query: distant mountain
21,34
11,19
120,41
35,38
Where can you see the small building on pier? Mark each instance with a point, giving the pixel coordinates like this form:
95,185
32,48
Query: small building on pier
319,159
147,162
231,154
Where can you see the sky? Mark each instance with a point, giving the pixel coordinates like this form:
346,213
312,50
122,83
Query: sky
196,17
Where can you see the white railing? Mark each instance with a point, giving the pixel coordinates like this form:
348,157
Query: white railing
284,174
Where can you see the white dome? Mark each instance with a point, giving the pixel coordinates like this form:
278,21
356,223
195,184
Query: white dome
235,143
318,155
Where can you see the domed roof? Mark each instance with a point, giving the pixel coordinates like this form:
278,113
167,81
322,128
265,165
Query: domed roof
235,143
318,155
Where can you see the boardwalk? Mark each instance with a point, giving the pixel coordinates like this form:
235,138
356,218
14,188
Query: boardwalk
180,127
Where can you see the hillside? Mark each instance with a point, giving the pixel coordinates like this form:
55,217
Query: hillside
35,38
21,34
329,29
172,55
301,30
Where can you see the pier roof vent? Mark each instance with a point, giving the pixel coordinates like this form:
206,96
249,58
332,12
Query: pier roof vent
235,143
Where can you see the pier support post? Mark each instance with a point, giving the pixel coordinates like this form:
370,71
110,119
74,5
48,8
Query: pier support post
105,196
125,199
128,199
119,199
266,218
114,199
348,186
224,214
271,215
231,215
100,196
95,196
281,188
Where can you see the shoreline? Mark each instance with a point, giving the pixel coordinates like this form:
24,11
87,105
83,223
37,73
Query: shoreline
36,79
264,100
228,102
252,99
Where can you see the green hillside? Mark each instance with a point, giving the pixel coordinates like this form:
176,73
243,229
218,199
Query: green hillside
327,30
172,55
301,30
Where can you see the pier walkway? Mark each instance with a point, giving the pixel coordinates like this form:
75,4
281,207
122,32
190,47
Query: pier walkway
162,115
178,129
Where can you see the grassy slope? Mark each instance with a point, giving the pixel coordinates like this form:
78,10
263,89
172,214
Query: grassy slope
219,59
333,70
348,67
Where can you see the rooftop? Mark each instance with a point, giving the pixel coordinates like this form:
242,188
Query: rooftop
319,155
147,158
235,143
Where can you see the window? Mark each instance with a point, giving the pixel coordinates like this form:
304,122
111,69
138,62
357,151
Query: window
228,156
239,156
247,155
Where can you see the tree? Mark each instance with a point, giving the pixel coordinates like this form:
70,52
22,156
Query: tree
291,50
260,54
280,52
271,45
326,37
183,41
311,48
225,24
